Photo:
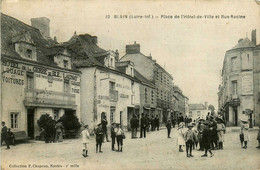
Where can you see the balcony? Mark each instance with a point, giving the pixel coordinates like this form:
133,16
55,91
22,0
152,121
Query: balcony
234,100
113,95
46,98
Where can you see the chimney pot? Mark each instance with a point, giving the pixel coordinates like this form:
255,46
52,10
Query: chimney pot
253,36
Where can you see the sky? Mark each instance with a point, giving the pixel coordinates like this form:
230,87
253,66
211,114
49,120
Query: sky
191,50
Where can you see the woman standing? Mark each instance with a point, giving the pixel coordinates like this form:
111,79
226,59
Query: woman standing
180,139
119,137
244,132
59,129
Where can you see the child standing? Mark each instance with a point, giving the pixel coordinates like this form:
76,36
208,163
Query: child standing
85,140
180,139
258,138
189,139
119,137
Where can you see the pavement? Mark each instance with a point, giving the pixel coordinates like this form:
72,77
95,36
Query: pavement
154,152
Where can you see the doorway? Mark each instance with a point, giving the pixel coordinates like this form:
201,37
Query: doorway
30,123
235,115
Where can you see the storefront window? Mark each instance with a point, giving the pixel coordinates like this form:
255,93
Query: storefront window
14,119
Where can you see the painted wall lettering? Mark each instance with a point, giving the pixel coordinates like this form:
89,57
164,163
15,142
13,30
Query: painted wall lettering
13,80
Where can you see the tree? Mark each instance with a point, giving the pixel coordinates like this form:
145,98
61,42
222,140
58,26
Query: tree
47,124
70,122
211,107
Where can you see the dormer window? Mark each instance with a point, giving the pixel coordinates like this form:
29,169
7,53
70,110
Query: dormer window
65,63
29,53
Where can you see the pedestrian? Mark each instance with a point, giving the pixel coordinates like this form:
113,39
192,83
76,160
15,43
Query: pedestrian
200,128
157,122
85,140
244,132
132,125
180,139
214,133
206,139
258,138
189,137
186,120
148,123
11,137
113,135
143,126
119,137
152,123
104,127
136,125
4,135
169,127
195,130
59,131
221,129
99,137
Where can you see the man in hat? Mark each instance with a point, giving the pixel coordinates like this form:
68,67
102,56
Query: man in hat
99,137
113,135
206,139
143,126
157,122
132,125
4,135
169,126
104,127
190,138
201,127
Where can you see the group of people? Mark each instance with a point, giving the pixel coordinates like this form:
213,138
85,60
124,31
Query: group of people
146,124
209,134
100,131
54,134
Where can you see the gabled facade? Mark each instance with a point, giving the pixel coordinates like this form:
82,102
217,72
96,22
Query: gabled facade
239,89
34,78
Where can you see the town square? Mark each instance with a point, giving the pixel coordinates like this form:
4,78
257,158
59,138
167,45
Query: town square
130,85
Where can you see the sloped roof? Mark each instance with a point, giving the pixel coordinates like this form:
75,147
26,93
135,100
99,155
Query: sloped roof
141,78
84,51
244,43
12,28
197,107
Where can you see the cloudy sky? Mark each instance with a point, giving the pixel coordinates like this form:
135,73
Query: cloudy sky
192,50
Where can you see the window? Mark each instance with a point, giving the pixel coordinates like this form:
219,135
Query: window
121,117
133,99
30,81
112,85
234,87
112,111
29,53
152,95
14,119
234,64
65,63
145,95
66,86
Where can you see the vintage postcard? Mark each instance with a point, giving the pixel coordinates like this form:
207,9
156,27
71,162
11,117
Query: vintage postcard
88,84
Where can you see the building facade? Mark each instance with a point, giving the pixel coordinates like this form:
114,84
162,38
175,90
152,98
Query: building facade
37,78
198,111
157,75
238,94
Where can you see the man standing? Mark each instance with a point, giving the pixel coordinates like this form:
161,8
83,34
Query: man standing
148,122
132,125
99,135
113,135
152,123
169,126
143,126
156,121
104,127
136,125
206,139
4,135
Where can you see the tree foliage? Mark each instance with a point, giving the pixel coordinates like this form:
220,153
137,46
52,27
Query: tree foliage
70,122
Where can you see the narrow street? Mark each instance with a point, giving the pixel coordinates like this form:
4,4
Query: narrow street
154,152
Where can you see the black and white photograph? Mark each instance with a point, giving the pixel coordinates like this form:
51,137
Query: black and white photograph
130,84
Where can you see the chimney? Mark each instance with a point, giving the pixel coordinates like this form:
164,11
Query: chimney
133,48
43,24
253,36
241,39
206,105
94,40
117,55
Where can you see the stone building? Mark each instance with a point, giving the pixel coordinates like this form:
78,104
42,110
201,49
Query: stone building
198,111
238,94
37,78
182,101
108,87
155,74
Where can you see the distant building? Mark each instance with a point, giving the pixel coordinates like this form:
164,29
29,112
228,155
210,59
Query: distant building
37,78
198,111
182,102
239,91
157,75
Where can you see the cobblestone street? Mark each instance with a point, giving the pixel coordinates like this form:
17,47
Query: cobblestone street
154,152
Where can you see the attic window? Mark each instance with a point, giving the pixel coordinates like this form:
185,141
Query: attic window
65,63
29,53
